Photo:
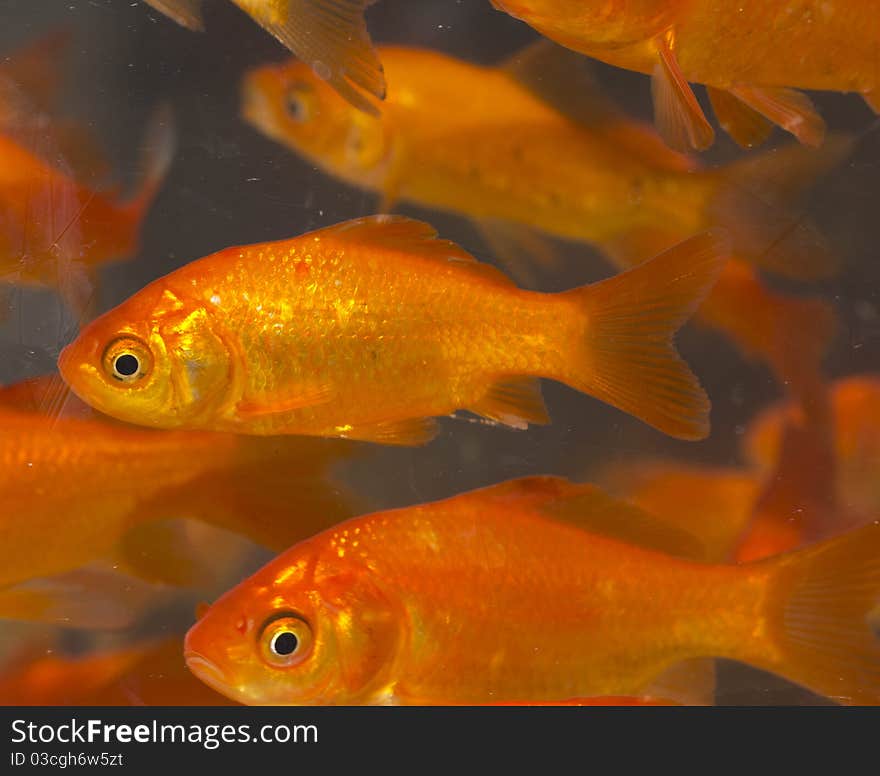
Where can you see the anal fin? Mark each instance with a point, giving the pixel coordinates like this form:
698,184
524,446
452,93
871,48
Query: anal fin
678,115
515,402
788,108
743,123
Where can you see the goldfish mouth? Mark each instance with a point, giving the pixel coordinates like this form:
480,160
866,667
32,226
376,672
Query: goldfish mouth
209,672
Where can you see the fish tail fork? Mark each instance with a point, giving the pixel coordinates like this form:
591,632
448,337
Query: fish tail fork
624,352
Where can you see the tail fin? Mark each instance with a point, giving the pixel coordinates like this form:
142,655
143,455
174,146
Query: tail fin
791,334
820,600
756,201
627,357
157,153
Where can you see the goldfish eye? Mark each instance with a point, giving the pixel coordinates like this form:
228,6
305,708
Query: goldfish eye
285,640
298,102
127,360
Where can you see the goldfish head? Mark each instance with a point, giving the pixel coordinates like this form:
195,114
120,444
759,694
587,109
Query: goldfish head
154,360
291,104
297,634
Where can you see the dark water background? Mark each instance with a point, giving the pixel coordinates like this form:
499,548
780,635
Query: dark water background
229,185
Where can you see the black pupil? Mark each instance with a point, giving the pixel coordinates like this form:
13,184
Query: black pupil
285,644
295,107
127,365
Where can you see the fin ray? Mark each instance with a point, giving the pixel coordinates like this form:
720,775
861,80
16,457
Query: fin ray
677,113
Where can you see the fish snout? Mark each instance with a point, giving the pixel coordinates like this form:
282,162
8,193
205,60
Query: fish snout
206,670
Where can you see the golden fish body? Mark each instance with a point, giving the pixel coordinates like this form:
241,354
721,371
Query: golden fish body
370,328
472,140
75,490
500,595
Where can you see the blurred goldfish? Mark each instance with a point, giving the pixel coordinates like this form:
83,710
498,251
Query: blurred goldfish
77,489
93,597
151,673
683,494
484,142
56,229
855,411
369,328
751,55
330,36
792,498
432,604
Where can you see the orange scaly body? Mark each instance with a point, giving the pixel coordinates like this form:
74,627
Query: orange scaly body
74,490
755,51
369,328
481,142
500,595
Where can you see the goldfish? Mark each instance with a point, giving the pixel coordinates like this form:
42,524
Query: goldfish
148,673
484,143
753,57
369,329
855,442
92,597
682,494
430,605
56,228
792,497
77,489
330,36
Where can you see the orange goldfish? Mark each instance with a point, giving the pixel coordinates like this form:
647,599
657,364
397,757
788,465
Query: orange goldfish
683,494
530,590
93,597
369,328
752,55
482,143
143,674
330,36
789,500
855,411
76,489
55,228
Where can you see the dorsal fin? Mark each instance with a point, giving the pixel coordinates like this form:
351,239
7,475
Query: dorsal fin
563,79
410,236
591,509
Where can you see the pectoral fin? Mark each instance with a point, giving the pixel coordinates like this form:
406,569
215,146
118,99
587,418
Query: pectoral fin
678,115
263,407
406,433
